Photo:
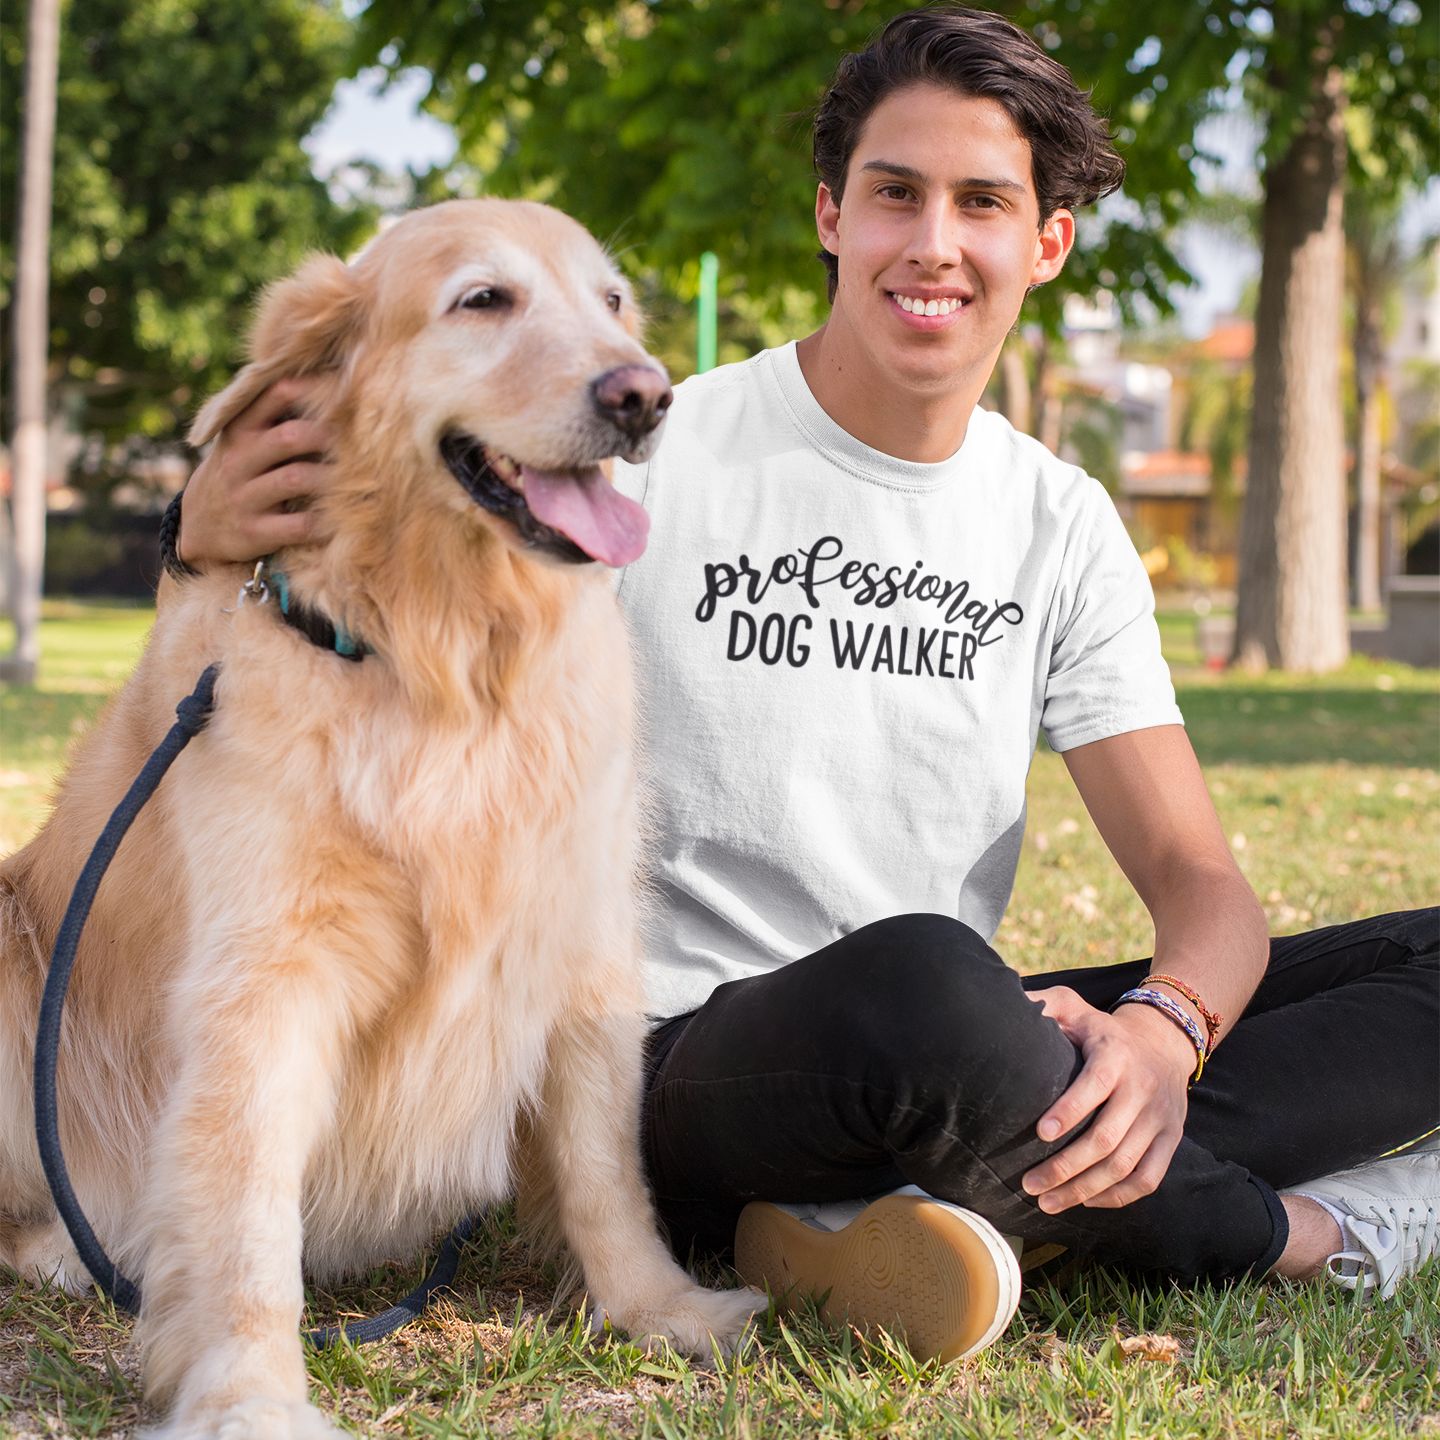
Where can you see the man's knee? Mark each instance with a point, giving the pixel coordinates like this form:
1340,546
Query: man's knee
922,987
942,1037
912,1001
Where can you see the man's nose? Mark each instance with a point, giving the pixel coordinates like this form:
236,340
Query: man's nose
935,238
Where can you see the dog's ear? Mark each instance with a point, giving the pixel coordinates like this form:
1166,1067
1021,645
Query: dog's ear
303,326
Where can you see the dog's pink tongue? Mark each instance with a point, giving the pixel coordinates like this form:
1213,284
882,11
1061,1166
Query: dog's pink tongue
588,508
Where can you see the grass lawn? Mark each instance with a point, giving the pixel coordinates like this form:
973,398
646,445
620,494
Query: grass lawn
1328,788
87,651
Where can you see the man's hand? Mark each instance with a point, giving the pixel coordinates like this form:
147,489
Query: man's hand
1146,795
1137,1068
244,499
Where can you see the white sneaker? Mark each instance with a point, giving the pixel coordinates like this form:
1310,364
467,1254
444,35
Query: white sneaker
1389,1216
941,1276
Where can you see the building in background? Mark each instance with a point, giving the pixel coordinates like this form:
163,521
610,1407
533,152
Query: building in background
1179,426
1177,419
1410,463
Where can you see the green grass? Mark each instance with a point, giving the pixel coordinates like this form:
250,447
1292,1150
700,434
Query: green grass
89,647
86,653
1249,1361
1321,839
1328,788
1324,718
1320,844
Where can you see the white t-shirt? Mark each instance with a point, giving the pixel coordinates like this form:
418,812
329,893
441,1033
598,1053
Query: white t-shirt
845,659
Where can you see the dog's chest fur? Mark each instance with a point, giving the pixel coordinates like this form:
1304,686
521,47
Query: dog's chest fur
466,879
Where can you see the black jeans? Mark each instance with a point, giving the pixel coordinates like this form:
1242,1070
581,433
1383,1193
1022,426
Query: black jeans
907,1053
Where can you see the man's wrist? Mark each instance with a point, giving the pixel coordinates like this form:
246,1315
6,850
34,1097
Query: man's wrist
170,541
1188,998
1163,1034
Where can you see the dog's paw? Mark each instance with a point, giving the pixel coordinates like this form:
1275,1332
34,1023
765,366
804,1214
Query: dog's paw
695,1322
255,1419
45,1255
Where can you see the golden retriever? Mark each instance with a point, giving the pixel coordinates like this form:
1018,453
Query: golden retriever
380,918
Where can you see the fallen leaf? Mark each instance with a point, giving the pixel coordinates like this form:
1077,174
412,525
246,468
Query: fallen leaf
1151,1347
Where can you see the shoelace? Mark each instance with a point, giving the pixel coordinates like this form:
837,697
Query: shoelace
1416,1240
1418,1234
1425,1234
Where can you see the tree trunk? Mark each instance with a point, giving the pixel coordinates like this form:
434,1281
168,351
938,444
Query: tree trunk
1045,396
1367,462
1376,264
1292,610
32,325
1017,384
1392,531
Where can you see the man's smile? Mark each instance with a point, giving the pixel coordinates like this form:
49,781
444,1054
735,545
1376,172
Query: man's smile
927,311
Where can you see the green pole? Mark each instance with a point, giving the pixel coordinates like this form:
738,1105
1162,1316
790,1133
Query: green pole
709,284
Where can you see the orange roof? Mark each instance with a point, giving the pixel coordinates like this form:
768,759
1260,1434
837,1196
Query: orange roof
1167,462
1165,472
1231,339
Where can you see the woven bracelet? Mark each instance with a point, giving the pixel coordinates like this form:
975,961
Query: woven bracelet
170,540
1167,1007
1213,1022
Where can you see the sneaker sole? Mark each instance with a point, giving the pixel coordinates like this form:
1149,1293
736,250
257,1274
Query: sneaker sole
942,1277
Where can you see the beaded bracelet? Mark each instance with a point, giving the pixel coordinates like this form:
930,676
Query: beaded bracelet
170,541
1213,1022
1167,1007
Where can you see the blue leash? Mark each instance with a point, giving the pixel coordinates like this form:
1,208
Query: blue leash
191,717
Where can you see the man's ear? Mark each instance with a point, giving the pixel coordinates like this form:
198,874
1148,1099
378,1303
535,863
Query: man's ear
304,324
827,219
1057,236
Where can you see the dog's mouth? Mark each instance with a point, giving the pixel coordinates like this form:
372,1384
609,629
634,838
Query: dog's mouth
571,515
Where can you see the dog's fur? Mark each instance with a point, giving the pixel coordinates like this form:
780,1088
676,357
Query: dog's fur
378,914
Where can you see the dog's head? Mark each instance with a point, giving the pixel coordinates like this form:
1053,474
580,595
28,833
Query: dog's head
483,358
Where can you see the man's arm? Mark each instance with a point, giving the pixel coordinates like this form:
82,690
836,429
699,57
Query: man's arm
1146,794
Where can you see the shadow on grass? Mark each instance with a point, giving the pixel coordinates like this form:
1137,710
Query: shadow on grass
1268,725
35,725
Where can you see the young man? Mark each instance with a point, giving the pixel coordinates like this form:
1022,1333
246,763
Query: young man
862,597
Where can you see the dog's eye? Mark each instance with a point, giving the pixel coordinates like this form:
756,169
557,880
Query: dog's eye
613,301
484,297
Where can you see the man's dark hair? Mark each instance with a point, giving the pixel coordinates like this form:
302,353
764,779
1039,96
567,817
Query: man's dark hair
1072,154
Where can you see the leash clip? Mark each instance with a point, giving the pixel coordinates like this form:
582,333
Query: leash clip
256,588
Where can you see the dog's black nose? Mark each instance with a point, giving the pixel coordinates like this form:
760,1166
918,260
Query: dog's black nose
634,397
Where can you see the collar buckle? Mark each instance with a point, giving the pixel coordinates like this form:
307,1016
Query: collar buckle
257,587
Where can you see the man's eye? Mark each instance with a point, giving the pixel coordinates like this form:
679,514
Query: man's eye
613,301
485,297
895,192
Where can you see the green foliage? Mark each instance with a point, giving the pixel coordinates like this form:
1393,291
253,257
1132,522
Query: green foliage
668,129
1216,421
1093,430
1422,394
676,126
73,550
1159,89
180,188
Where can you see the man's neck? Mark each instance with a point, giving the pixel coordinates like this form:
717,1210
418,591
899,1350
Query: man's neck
924,422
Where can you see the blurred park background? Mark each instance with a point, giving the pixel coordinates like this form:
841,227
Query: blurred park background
201,150
1244,349
1273,256
1276,237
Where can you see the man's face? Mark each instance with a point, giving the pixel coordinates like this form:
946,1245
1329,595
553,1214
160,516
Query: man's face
939,214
